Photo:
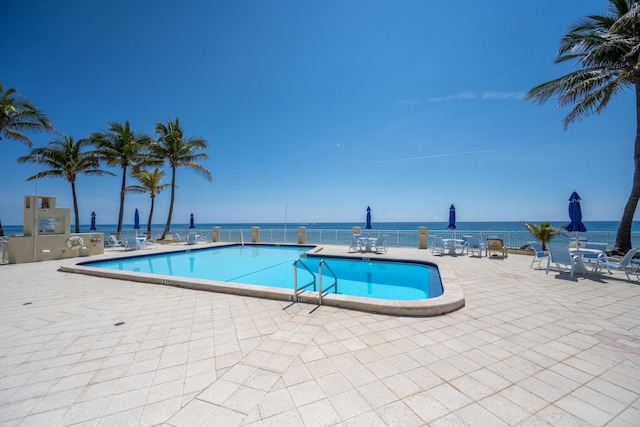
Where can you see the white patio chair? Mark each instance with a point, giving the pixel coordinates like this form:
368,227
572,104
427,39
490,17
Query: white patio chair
562,258
192,238
474,246
437,245
466,237
130,244
623,264
356,245
539,255
381,244
594,257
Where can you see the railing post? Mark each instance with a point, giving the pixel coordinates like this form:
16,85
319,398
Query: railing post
422,237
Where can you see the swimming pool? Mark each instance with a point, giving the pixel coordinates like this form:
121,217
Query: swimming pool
274,265
403,286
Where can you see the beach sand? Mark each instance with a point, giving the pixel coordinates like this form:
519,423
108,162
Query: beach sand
527,349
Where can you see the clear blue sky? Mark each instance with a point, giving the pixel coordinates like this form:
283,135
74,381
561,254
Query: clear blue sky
322,107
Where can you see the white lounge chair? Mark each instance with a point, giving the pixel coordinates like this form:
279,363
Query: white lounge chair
623,264
147,243
437,245
474,246
112,242
562,258
539,254
381,244
356,245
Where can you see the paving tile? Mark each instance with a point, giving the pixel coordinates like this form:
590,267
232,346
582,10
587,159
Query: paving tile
48,418
349,404
377,394
289,418
196,412
450,397
370,419
319,413
305,393
397,413
86,411
158,412
505,409
243,399
476,415
333,384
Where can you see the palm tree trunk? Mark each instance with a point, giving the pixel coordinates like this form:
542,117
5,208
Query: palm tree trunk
623,237
173,191
122,191
153,197
75,205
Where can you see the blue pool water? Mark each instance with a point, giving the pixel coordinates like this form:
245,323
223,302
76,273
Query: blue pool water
272,266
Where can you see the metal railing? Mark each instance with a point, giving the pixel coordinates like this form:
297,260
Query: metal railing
514,239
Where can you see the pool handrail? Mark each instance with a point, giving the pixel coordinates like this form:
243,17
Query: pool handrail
295,278
335,280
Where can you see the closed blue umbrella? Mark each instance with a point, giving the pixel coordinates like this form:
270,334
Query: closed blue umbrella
192,224
93,222
368,226
575,214
452,218
136,220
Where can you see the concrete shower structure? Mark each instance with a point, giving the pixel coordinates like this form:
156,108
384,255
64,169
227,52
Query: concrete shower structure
47,234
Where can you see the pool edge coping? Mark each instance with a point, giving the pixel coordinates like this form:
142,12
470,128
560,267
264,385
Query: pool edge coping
452,298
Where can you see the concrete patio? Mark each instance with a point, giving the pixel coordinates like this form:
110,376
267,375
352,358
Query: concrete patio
527,349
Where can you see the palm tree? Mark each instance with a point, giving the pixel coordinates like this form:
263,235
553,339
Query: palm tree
17,115
66,158
543,233
149,183
177,150
607,49
120,146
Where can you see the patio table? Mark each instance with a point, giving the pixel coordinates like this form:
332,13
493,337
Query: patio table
453,244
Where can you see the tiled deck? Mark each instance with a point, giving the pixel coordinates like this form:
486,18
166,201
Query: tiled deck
527,349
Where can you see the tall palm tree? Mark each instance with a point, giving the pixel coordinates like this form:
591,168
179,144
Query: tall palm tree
149,183
17,115
177,150
120,146
607,49
66,158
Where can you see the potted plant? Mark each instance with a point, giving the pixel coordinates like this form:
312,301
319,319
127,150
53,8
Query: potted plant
543,233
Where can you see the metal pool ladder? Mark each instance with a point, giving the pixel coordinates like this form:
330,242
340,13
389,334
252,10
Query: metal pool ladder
335,280
297,291
295,278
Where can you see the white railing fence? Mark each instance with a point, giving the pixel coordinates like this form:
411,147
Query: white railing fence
396,238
